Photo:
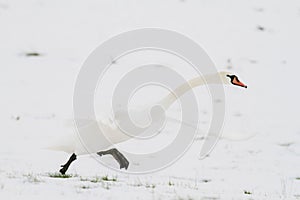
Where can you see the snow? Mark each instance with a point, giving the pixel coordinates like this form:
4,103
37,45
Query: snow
258,40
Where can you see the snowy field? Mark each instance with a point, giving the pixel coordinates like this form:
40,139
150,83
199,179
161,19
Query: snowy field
44,43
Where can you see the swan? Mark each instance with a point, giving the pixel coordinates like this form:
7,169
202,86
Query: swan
97,143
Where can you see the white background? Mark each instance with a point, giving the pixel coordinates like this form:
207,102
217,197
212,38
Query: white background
38,91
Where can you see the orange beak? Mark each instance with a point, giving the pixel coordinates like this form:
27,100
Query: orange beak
238,83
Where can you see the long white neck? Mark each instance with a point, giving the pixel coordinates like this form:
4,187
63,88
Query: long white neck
167,101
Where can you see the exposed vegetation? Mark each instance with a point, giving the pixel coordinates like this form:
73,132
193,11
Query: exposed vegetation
59,175
32,54
32,178
98,179
247,192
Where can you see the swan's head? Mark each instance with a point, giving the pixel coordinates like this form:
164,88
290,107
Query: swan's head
229,78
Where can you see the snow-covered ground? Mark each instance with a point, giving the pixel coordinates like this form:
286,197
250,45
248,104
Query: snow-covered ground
258,40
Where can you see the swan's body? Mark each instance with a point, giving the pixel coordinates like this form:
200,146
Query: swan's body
111,134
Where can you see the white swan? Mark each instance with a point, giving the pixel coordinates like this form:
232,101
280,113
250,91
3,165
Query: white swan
111,134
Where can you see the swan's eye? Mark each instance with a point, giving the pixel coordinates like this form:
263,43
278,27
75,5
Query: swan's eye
230,76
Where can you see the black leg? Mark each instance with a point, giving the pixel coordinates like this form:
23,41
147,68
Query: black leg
120,158
66,166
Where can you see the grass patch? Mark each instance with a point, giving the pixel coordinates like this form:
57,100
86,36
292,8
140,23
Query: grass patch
32,54
247,192
150,186
98,179
59,175
106,186
297,178
285,144
32,178
85,187
10,175
95,180
171,183
106,178
84,179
